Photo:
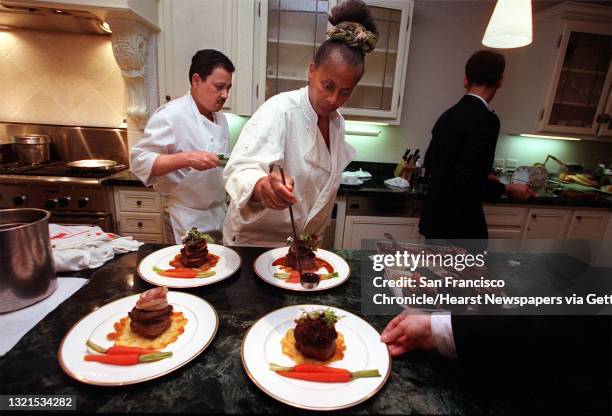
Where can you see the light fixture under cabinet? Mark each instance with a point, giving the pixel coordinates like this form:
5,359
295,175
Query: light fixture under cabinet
543,136
362,128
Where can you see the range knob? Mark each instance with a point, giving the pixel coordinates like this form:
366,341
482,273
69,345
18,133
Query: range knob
51,203
64,201
20,200
83,201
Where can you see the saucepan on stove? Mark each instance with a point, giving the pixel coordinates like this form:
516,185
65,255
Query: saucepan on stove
33,149
92,164
27,271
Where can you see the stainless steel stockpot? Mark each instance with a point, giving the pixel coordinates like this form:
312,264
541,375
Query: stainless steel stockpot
33,149
27,271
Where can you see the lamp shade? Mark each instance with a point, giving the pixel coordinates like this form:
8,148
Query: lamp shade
510,26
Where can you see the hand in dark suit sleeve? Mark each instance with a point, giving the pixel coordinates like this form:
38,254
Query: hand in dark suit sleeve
473,166
499,342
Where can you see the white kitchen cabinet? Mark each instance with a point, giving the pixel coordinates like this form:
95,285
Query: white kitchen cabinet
579,91
192,25
562,80
357,228
139,214
291,31
587,225
546,223
505,222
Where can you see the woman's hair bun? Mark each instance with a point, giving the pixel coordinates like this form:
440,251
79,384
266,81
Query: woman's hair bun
353,25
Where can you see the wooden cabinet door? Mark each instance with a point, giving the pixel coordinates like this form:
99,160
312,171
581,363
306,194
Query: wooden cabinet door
587,225
358,228
547,224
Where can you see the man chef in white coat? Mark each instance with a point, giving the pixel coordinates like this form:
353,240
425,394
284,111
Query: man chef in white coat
301,131
178,152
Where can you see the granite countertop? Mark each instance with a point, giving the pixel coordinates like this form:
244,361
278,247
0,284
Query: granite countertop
375,187
123,178
215,381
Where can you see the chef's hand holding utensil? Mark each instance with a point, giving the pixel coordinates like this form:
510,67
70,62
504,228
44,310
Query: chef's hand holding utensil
407,332
271,193
201,160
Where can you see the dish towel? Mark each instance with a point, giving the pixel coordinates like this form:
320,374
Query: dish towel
361,174
82,247
397,182
14,325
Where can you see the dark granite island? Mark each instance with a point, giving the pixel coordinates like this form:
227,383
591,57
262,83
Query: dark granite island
215,382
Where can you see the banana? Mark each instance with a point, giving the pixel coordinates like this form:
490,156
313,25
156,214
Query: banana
577,179
586,179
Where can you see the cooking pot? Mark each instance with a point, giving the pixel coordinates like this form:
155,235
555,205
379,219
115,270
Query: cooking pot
33,149
92,164
27,272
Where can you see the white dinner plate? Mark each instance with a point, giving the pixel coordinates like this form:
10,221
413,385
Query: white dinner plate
227,266
201,327
265,270
364,351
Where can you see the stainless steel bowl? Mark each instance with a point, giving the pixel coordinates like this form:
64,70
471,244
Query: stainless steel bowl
33,149
27,272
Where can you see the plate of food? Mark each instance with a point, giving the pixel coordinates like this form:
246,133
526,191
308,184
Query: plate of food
191,264
279,266
138,338
315,357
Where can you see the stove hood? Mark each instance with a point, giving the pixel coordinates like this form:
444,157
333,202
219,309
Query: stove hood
50,20
75,16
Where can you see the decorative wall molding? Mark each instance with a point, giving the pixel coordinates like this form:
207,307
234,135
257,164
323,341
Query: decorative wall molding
130,47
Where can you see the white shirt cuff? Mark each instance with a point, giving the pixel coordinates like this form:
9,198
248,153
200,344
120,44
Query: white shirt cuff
442,334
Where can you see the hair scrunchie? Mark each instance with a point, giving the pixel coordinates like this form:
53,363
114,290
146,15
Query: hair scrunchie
354,35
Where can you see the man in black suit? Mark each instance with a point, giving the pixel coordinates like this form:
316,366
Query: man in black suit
460,157
459,160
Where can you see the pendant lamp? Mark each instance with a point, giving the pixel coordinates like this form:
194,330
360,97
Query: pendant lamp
510,25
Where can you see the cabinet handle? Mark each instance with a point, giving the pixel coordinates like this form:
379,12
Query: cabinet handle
139,203
168,98
578,217
533,215
139,225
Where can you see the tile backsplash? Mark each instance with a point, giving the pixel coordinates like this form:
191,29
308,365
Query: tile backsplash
59,78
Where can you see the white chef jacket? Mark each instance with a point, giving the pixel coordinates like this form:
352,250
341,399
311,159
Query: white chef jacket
193,198
284,131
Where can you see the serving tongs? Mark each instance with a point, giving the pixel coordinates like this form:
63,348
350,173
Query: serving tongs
305,284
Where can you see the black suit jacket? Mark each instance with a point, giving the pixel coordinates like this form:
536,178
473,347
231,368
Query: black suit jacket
458,162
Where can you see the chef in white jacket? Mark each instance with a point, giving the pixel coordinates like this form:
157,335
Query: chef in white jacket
178,152
303,132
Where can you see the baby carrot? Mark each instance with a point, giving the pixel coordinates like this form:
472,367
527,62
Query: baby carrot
118,349
321,377
127,359
316,368
171,273
321,373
